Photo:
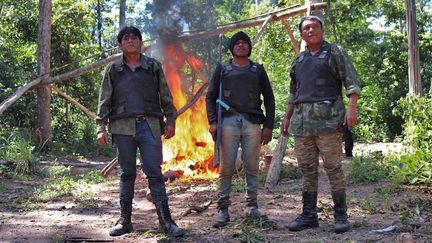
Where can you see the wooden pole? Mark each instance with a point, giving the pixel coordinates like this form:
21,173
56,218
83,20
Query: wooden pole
21,90
276,163
73,101
413,50
291,36
251,23
261,30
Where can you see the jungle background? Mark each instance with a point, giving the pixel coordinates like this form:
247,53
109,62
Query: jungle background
373,32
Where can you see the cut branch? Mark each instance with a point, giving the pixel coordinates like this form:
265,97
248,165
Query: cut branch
276,163
291,36
73,101
261,30
251,23
21,90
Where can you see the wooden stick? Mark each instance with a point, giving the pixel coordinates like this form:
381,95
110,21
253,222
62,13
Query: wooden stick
73,101
21,90
291,36
251,23
261,30
276,163
109,167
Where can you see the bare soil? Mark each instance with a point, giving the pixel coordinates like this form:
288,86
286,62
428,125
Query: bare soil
68,220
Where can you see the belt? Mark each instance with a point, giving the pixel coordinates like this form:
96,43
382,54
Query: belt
140,118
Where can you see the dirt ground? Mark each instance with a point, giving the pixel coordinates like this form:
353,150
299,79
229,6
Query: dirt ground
68,221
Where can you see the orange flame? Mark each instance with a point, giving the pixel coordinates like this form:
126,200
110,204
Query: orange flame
190,151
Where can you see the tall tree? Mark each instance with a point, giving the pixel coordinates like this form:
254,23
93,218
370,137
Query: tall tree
122,14
43,124
413,49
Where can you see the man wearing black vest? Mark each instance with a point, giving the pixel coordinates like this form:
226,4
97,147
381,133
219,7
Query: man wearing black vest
243,83
134,98
316,115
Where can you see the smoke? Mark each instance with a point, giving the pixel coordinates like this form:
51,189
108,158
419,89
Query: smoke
168,18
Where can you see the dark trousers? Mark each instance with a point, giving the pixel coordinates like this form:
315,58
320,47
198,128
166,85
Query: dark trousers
151,160
349,141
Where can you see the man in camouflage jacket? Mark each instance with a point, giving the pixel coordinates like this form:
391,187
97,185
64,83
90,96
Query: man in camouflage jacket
134,98
315,116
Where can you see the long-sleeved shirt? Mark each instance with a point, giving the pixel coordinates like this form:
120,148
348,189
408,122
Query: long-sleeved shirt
265,90
126,126
311,119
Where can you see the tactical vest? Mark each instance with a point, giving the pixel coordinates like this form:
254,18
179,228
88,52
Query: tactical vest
315,79
134,93
242,88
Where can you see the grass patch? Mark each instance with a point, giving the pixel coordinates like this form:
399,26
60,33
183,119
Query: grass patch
290,171
367,169
247,230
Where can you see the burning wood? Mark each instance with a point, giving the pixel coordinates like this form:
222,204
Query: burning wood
172,175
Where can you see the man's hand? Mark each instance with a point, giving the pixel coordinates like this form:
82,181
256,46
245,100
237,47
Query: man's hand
350,119
169,131
213,130
286,120
102,138
266,135
284,127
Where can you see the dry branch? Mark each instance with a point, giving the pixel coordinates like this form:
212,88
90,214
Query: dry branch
73,101
251,23
276,163
21,90
291,36
261,30
109,167
197,209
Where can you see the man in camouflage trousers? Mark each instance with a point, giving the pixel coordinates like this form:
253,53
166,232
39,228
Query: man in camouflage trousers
134,98
315,116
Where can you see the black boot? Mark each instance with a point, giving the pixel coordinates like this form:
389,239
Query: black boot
166,223
222,218
124,224
309,216
341,218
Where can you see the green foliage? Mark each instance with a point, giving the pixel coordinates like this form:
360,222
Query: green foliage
18,148
369,206
414,166
290,171
368,169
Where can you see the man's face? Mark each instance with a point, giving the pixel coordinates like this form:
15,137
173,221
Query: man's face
130,43
241,48
312,32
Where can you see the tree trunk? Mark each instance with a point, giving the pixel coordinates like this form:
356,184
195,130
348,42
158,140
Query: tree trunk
122,14
413,50
276,163
43,123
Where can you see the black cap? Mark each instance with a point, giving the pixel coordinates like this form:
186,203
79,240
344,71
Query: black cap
240,36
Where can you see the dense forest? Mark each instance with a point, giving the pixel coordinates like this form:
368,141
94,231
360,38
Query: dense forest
374,33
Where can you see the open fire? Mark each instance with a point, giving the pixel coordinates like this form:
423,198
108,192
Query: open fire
189,154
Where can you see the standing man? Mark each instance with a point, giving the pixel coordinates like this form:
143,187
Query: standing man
243,83
134,98
315,116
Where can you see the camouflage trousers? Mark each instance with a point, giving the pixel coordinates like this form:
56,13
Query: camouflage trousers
308,149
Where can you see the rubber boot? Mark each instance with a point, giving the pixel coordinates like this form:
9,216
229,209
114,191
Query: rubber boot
222,218
309,217
341,218
166,224
124,224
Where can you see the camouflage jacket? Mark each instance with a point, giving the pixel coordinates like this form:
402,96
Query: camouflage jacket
312,119
126,126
